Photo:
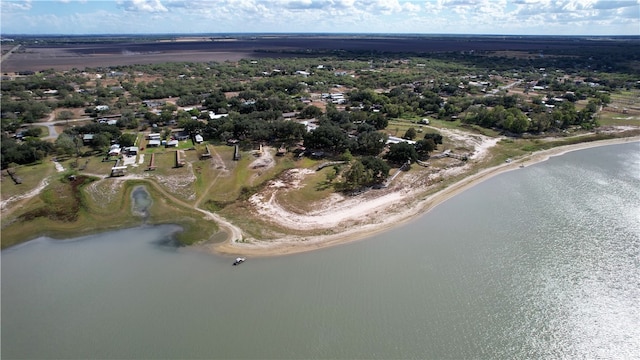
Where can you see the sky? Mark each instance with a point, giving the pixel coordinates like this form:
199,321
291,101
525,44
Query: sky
504,17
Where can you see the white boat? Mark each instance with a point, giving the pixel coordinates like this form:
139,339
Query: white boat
239,260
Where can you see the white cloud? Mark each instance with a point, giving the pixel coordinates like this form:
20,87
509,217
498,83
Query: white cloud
564,17
13,6
152,6
616,4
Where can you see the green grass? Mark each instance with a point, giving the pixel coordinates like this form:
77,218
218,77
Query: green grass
221,185
65,209
314,188
31,176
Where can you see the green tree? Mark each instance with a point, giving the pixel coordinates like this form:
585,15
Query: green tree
65,144
371,143
33,132
101,141
64,115
356,177
437,138
402,152
311,112
327,137
378,169
127,139
410,134
424,147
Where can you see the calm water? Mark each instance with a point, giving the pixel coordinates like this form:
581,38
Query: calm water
540,262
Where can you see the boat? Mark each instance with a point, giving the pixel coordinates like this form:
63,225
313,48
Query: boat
239,261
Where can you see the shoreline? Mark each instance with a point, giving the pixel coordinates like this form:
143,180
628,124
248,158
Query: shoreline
289,244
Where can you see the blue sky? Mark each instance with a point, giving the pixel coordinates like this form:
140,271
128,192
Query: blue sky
509,17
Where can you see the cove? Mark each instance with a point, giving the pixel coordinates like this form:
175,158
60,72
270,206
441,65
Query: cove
535,263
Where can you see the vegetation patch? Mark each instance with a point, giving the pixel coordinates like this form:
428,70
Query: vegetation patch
62,201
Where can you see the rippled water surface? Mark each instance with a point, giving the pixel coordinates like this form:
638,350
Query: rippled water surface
540,262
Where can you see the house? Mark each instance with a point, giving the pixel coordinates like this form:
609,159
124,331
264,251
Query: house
214,116
115,151
180,162
395,140
87,138
206,154
172,143
101,108
153,103
132,150
153,136
118,170
153,143
182,135
198,138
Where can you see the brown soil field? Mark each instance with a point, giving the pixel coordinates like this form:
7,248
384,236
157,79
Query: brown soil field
88,55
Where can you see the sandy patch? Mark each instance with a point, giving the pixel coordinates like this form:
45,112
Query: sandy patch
5,203
352,218
59,167
128,160
264,159
181,185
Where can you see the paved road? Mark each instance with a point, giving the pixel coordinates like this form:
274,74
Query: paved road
51,123
6,56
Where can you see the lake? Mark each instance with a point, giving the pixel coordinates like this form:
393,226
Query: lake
539,262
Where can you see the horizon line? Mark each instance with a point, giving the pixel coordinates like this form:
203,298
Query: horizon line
321,33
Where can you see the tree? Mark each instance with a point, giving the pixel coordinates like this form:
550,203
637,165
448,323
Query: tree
33,132
356,177
424,147
377,169
410,134
65,144
127,139
371,143
64,115
101,141
378,120
402,152
192,127
310,112
327,137
437,138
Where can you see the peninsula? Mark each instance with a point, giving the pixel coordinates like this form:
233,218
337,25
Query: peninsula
275,145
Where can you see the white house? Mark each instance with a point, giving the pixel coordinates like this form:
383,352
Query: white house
395,140
214,116
199,138
172,143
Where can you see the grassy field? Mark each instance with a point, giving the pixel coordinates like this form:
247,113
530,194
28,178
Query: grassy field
31,176
95,202
86,205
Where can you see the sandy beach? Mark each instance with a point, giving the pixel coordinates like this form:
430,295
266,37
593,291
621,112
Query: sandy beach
342,216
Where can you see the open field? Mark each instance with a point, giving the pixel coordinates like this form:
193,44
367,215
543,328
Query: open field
69,55
273,202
